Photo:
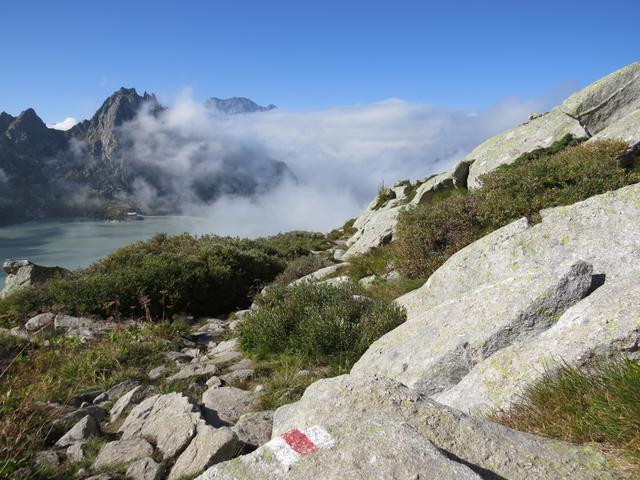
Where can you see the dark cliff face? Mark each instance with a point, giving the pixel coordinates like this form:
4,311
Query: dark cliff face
100,131
29,167
51,173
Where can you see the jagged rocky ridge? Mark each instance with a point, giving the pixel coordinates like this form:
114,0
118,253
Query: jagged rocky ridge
90,169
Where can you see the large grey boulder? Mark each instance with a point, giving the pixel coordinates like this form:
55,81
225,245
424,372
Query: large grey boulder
145,469
507,146
456,178
75,452
81,327
607,100
68,322
47,459
319,274
223,405
214,328
80,432
179,433
375,447
584,114
23,273
378,230
492,450
226,351
194,370
603,231
254,428
39,321
627,129
434,350
169,420
76,415
115,392
122,452
126,401
376,226
208,447
603,324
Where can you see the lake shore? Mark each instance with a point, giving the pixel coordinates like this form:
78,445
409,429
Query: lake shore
76,243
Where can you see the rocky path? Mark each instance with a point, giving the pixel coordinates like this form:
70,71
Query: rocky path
196,410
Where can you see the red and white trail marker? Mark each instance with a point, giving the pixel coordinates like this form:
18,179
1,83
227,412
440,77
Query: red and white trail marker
298,443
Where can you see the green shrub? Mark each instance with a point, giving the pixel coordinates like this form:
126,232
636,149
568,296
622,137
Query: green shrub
23,304
300,267
316,322
388,290
384,196
205,275
597,404
346,231
530,185
376,261
428,235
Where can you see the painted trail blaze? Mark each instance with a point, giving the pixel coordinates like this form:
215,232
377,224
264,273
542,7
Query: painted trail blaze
299,442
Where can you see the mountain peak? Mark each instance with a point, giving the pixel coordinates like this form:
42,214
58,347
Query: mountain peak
5,121
122,106
27,122
235,105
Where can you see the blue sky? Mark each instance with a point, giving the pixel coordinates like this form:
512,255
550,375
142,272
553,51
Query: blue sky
64,57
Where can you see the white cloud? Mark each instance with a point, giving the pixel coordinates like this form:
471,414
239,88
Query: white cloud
66,124
339,156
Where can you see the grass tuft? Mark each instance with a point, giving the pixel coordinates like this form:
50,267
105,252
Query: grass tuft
320,323
598,404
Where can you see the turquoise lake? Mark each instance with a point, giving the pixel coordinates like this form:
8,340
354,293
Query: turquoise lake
77,243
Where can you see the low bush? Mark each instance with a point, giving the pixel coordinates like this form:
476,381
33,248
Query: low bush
346,231
428,235
563,178
388,290
597,404
384,196
561,175
320,323
205,275
376,261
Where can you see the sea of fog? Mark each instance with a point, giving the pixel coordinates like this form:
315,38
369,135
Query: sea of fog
77,243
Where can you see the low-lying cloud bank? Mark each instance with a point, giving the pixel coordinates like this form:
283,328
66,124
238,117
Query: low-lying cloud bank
338,157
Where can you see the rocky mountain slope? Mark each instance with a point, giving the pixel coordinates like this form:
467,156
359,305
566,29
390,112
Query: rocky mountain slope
526,300
609,108
484,326
90,169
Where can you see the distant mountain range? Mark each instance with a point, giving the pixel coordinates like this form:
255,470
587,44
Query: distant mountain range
234,105
87,170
